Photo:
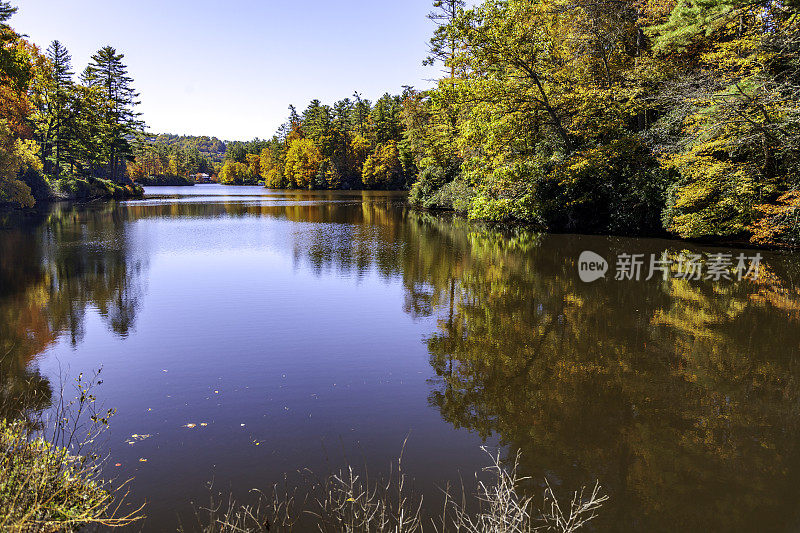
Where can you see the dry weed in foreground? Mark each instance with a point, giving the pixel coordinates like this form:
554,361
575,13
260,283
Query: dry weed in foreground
348,502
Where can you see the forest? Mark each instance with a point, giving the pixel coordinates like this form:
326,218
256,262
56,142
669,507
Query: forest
623,117
61,138
353,144
171,159
636,117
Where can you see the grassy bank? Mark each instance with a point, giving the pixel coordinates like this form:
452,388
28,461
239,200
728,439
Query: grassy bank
44,488
83,189
50,469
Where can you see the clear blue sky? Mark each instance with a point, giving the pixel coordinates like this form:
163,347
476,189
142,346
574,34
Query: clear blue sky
231,69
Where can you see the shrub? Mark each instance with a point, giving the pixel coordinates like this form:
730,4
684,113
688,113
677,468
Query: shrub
50,485
456,195
430,180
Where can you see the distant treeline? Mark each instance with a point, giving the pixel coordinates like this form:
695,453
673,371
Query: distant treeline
168,159
352,144
210,147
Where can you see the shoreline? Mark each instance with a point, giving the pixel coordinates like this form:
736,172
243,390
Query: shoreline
438,211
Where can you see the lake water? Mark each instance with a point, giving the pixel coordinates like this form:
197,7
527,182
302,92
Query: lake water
305,329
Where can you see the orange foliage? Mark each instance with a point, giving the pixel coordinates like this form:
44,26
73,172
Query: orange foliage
779,223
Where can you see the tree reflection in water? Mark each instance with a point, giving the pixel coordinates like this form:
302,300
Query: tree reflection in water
681,397
54,266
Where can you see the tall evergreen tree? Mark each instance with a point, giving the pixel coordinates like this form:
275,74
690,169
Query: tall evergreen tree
6,11
62,95
120,122
443,44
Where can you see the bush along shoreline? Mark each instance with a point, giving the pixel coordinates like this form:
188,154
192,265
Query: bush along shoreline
50,470
76,190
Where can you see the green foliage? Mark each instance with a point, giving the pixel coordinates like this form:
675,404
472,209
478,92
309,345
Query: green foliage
166,157
689,23
211,148
614,188
456,195
740,140
352,144
56,130
608,117
430,180
118,121
85,189
509,195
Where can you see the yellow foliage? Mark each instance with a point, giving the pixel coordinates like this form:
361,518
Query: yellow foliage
360,147
303,161
234,173
254,164
382,168
779,223
16,156
271,170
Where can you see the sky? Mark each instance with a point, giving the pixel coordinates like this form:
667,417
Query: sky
231,69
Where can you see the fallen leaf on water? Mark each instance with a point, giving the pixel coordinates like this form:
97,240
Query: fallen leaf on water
134,438
142,460
118,464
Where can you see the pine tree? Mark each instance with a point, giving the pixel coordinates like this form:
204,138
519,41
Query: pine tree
360,113
62,95
443,44
119,121
6,11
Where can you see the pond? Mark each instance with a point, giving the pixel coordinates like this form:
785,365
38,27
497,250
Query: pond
250,333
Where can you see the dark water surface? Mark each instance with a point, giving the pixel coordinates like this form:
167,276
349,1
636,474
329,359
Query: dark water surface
303,328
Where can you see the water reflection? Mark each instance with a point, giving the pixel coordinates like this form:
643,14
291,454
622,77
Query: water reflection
681,397
54,266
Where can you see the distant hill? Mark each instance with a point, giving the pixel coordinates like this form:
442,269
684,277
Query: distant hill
210,147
